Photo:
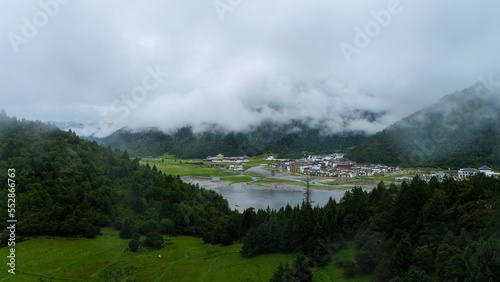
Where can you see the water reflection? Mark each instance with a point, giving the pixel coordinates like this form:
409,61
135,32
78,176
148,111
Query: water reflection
242,196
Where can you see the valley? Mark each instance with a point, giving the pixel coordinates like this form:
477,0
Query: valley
269,141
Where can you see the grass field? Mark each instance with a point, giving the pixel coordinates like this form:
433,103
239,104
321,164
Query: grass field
175,167
334,273
183,167
237,178
254,175
106,258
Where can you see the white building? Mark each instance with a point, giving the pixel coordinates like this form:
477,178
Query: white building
467,172
487,171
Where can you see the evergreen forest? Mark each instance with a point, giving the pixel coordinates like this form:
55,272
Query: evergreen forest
416,231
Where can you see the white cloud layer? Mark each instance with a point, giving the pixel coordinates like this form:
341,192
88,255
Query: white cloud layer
173,63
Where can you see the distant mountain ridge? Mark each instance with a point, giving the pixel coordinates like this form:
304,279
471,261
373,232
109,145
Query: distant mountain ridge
462,129
287,140
85,130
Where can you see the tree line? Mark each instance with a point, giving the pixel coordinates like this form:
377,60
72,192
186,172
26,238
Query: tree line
410,232
288,140
68,186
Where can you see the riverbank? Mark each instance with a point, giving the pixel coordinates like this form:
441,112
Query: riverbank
257,168
260,194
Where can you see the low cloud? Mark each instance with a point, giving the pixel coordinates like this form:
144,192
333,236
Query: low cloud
260,61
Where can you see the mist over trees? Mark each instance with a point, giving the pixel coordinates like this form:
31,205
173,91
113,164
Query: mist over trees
69,186
460,130
412,232
287,140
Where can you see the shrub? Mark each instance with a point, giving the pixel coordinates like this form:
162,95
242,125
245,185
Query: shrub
167,226
207,237
136,236
91,231
133,245
127,230
350,268
154,240
226,240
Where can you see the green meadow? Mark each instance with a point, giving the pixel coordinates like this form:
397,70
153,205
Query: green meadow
185,167
107,258
237,178
196,167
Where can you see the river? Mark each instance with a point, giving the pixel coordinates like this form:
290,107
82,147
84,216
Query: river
275,195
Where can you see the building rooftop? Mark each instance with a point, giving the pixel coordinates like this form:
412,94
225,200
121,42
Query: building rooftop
468,169
484,168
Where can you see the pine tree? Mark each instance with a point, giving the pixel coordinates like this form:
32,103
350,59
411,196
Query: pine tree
126,231
483,263
423,258
415,274
91,231
307,193
283,273
402,257
301,268
125,155
251,244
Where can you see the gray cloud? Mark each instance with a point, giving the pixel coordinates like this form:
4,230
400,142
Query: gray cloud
278,61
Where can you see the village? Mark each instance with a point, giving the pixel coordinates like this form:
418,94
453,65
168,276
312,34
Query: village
336,165
330,165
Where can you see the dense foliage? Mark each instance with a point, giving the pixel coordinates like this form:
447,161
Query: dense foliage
461,130
287,140
412,232
67,186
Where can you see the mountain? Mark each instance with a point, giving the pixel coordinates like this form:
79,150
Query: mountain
85,130
64,183
460,130
287,140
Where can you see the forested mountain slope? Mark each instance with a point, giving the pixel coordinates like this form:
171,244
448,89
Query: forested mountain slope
461,130
287,140
65,183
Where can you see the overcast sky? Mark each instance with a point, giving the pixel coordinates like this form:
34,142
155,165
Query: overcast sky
237,62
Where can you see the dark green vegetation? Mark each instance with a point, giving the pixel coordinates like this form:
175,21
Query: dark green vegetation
417,231
68,186
461,130
286,140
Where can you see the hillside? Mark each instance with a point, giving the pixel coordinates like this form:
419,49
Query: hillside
461,130
65,183
287,140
